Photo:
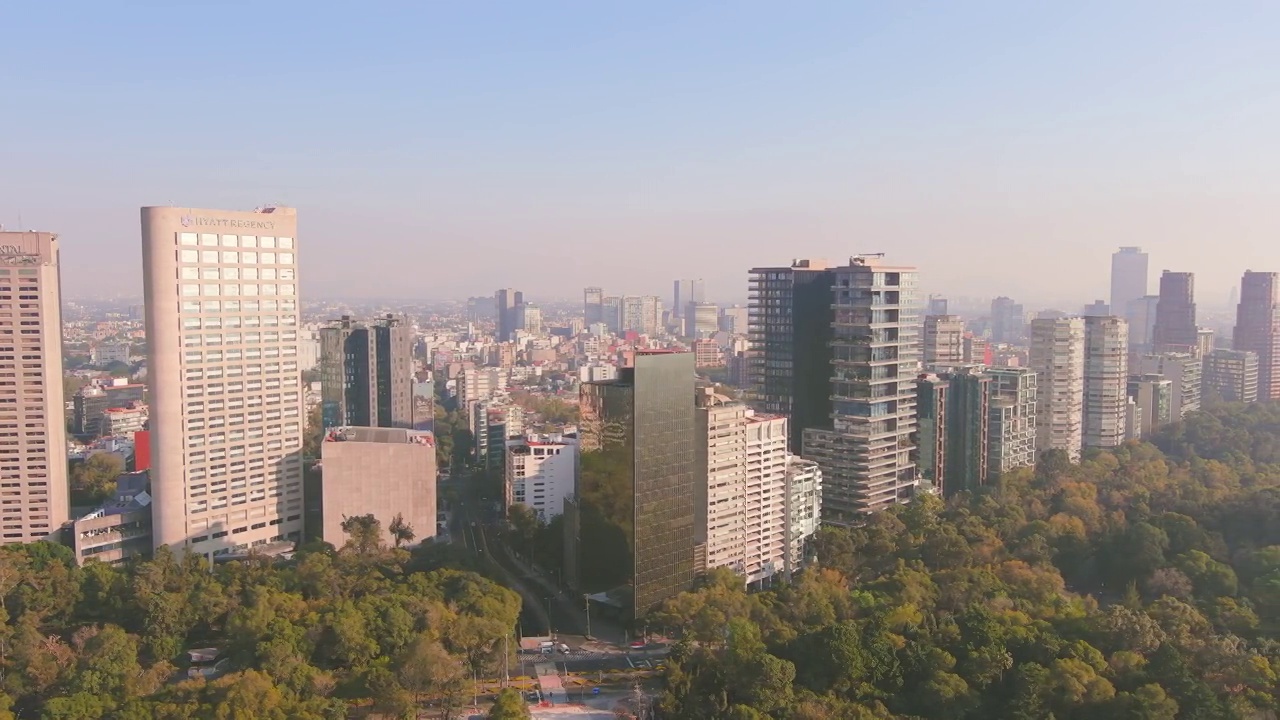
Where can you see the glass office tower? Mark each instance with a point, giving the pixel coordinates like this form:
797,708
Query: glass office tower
631,522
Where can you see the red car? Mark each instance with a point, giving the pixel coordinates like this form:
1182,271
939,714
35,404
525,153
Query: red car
639,645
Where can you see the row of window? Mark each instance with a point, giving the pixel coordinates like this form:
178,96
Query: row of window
235,472
253,369
251,433
233,289
217,356
191,272
248,241
248,338
235,306
256,526
231,257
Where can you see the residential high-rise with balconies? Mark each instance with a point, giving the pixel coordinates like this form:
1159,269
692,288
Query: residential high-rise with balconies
1175,327
1106,380
225,390
790,330
33,433
1057,356
943,340
865,456
1257,328
1230,375
1011,419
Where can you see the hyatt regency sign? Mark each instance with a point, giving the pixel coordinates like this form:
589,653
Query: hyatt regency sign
14,255
197,221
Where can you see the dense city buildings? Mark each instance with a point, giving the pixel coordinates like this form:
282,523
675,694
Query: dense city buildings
701,319
120,530
389,473
630,530
91,401
529,319
642,314
539,473
33,467
507,301
366,373
789,361
1231,376
1129,273
224,386
1106,381
1008,321
1175,327
1257,328
865,456
1183,370
685,292
1057,356
943,340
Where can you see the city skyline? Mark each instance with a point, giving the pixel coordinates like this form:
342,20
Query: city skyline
527,148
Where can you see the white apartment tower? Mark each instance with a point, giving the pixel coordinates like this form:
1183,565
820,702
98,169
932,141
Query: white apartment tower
221,292
1106,381
757,506
540,474
1057,356
33,435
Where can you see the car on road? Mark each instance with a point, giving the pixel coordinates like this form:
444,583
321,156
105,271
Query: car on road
564,648
638,645
532,696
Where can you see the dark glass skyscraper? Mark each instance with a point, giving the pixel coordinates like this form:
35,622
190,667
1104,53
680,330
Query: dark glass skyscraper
508,302
630,527
1258,328
1175,329
366,373
790,320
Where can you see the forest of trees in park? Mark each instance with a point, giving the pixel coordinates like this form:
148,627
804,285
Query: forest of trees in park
309,639
1140,584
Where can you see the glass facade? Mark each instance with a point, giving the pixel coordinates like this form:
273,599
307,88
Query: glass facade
634,515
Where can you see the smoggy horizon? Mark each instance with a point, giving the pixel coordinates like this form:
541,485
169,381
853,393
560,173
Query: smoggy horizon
442,152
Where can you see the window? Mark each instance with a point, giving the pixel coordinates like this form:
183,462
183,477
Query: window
268,258
211,290
229,241
248,241
286,258
189,256
249,273
209,256
230,257
190,290
209,240
230,273
186,238
286,243
190,273
267,242
268,273
248,258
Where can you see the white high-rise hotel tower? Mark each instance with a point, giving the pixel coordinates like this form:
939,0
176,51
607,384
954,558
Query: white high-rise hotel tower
221,293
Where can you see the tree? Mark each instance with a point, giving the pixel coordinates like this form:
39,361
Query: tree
364,534
400,530
94,478
508,705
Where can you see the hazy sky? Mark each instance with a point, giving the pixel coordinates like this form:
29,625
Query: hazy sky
447,149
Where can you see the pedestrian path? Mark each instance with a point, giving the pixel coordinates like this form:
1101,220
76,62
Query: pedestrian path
550,684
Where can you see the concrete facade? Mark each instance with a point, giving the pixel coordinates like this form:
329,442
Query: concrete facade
33,435
943,340
382,472
540,474
1231,375
225,390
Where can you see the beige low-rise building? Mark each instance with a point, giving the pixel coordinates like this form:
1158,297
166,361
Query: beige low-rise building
384,472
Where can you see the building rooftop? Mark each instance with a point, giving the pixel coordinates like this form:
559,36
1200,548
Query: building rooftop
389,436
